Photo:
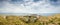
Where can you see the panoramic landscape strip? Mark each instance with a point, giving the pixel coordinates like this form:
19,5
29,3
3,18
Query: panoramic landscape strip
29,12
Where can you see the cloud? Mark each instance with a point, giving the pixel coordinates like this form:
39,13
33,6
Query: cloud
55,2
36,0
28,6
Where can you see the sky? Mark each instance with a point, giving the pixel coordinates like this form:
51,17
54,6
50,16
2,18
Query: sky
30,6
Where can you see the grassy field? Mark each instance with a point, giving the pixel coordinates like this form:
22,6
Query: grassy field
30,20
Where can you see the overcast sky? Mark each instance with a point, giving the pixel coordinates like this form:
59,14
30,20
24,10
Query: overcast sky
30,6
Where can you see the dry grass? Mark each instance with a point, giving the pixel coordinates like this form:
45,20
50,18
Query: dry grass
26,20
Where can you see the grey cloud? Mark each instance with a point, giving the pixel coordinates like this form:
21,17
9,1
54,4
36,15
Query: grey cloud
54,2
35,0
16,1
